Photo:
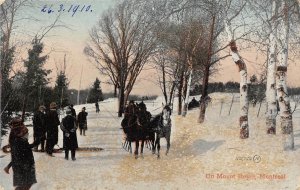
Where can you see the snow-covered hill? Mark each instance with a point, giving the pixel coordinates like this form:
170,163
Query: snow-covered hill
209,156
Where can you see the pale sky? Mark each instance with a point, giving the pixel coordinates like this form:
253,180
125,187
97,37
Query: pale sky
72,42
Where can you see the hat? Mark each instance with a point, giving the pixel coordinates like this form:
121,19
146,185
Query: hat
16,122
42,107
53,105
19,131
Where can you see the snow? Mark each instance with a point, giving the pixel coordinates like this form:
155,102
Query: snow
197,153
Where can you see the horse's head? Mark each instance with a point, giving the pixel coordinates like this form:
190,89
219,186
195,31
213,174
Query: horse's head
166,115
166,110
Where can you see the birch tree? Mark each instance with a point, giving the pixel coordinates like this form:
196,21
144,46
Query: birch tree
195,56
271,82
266,14
286,119
244,103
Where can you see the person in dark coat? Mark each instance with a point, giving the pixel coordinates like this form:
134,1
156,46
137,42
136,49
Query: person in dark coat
82,121
39,128
22,160
144,118
68,126
97,107
131,109
52,128
72,110
129,121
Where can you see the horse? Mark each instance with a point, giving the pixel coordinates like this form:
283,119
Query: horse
162,125
135,126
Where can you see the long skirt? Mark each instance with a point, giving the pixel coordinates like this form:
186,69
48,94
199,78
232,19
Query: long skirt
24,175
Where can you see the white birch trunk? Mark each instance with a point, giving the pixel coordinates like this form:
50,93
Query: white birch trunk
271,81
1,47
286,119
244,103
187,96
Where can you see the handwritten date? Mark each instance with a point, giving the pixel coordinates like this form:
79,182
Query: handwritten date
72,9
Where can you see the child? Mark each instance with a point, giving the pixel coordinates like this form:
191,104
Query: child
22,160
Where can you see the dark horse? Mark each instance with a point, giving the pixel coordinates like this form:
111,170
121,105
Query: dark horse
162,125
136,128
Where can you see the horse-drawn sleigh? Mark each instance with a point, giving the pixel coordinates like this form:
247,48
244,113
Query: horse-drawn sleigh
139,127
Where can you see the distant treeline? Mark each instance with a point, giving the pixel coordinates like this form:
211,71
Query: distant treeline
84,96
230,86
234,87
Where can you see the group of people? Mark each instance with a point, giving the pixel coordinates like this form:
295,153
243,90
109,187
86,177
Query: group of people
45,128
136,119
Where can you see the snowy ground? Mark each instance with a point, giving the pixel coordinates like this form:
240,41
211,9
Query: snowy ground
200,156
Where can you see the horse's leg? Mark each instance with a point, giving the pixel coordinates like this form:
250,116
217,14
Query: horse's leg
126,145
142,148
129,147
136,151
168,137
158,146
153,143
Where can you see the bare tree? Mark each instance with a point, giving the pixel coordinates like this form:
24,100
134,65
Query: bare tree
216,14
8,17
121,43
166,72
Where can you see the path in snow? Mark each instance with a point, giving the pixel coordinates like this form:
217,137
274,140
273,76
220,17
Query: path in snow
196,151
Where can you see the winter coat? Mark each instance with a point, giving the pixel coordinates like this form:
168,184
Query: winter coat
68,126
22,162
81,119
52,126
39,127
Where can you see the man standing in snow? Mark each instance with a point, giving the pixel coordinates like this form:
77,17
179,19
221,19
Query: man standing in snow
97,107
52,128
39,128
82,121
68,126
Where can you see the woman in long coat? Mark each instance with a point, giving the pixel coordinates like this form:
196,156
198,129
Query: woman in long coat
22,160
68,126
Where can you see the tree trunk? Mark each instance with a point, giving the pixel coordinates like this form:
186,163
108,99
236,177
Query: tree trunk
204,94
206,74
121,101
115,91
271,81
172,94
180,90
244,103
1,34
164,84
186,102
24,107
286,119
